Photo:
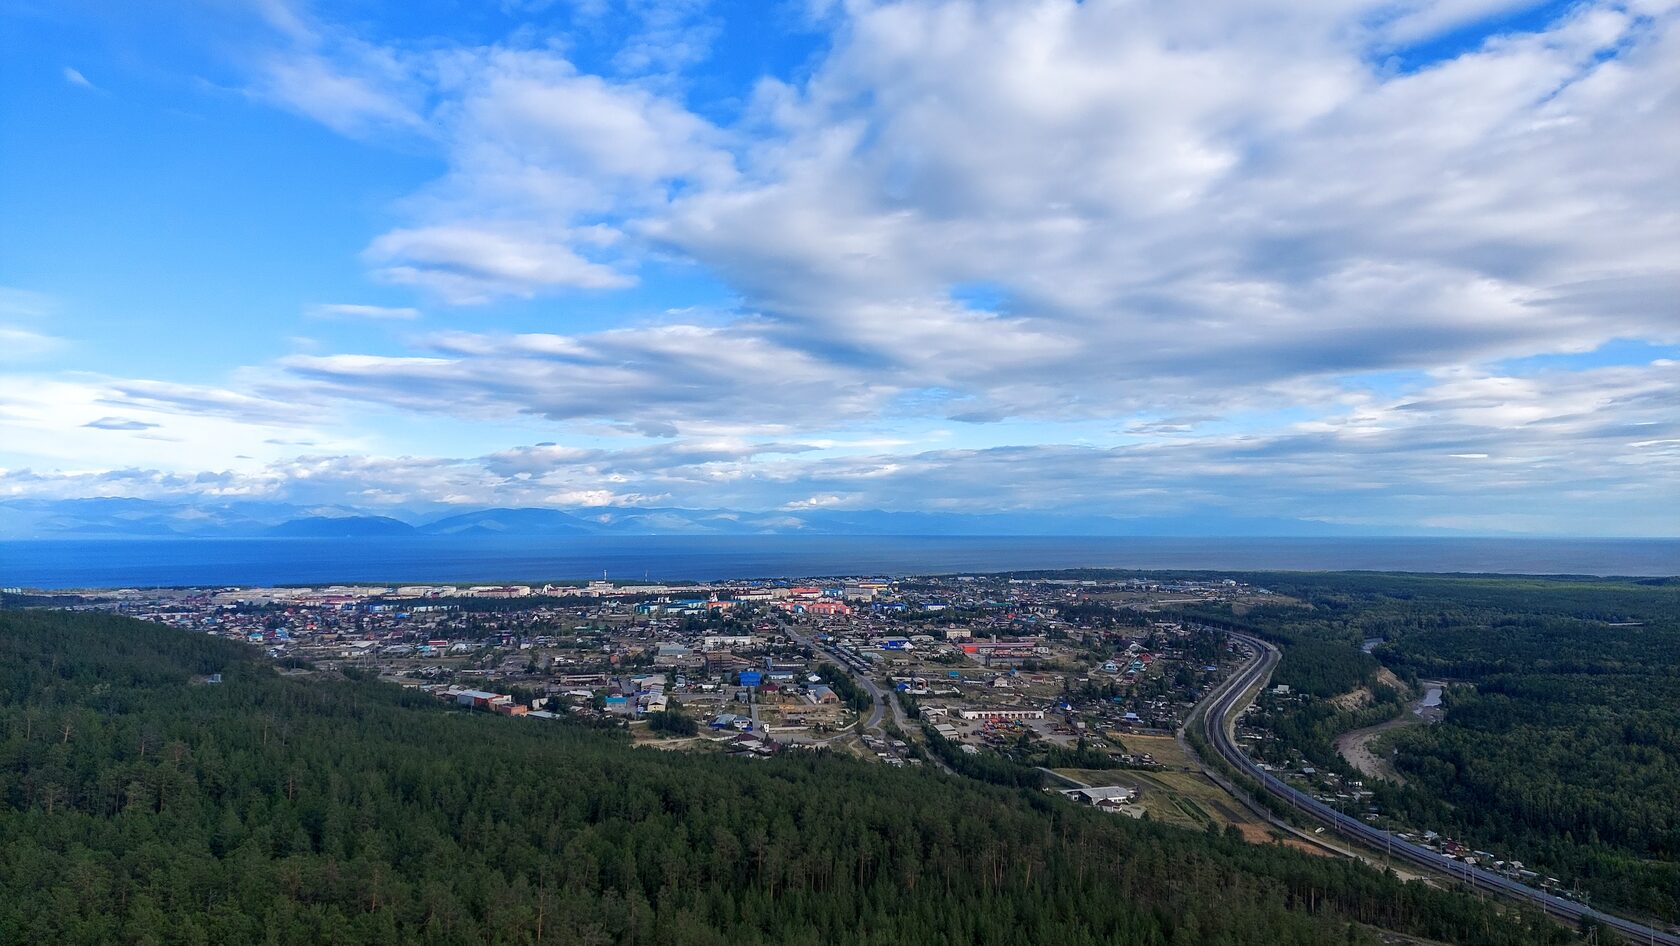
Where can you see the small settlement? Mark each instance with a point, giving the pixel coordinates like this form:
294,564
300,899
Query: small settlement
1048,672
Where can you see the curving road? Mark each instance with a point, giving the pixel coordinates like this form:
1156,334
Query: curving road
881,699
1218,722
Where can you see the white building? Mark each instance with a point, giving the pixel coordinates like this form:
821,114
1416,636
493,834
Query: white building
727,642
998,713
1118,794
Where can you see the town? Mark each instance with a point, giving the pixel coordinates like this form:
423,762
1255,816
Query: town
1060,675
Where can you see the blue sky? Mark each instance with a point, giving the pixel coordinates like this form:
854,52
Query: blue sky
1385,265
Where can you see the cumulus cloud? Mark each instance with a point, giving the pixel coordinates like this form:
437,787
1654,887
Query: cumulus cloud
813,502
1168,203
537,152
1163,201
541,158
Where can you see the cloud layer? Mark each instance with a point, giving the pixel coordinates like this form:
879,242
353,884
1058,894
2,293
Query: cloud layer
1296,258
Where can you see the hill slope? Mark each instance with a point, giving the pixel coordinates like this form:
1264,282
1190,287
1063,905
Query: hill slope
337,527
136,518
137,807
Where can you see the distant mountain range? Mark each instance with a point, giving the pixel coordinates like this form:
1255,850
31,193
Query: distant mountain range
141,519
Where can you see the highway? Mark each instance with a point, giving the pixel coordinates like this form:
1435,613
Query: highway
1218,722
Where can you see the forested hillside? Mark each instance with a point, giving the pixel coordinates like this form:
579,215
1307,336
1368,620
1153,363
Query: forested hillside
1561,742
1564,746
140,806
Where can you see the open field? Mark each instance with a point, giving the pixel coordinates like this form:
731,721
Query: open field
1178,792
1165,750
1187,799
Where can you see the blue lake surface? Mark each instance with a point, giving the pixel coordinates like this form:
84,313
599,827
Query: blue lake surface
104,563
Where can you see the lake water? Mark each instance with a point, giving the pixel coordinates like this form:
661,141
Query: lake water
78,563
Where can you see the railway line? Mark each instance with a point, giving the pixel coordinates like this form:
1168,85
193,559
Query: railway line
1218,721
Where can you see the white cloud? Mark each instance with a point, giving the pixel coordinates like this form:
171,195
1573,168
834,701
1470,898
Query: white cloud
814,502
1201,210
75,77
1154,195
355,311
106,423
352,86
672,35
538,152
676,376
120,423
1224,232
21,344
207,401
1589,451
18,344
467,265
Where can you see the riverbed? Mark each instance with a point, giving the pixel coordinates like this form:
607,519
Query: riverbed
1355,746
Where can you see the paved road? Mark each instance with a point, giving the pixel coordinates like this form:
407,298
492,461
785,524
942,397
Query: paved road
879,699
877,709
878,706
1219,720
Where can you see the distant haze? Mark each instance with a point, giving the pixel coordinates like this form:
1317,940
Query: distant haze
130,518
74,563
